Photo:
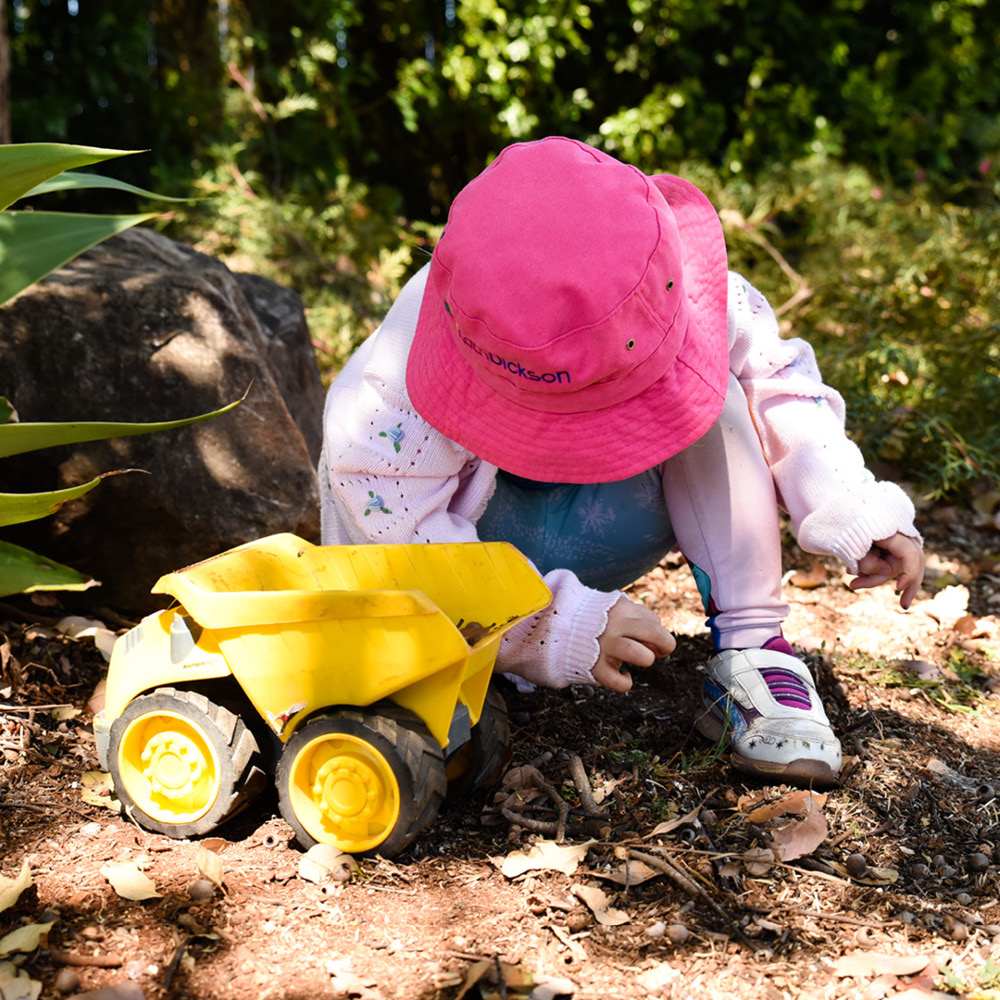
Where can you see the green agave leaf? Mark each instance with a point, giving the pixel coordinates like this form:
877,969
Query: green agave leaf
32,244
24,165
21,437
6,409
73,181
15,508
21,571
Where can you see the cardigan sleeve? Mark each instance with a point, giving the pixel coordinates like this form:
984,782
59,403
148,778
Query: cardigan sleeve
387,476
836,505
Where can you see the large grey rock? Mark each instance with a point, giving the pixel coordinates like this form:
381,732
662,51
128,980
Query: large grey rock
142,328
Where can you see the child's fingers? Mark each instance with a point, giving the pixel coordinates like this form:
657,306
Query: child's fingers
610,675
864,581
627,650
907,587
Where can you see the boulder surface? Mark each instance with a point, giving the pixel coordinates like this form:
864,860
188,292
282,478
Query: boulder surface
142,328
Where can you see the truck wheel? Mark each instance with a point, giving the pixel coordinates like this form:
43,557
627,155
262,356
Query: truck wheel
365,780
481,762
180,763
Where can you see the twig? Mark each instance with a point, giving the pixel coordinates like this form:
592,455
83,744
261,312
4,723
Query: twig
171,969
547,826
579,775
692,888
871,833
73,958
44,807
33,708
560,803
817,915
501,982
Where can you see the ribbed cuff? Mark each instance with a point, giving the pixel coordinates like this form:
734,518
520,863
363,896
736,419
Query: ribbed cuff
849,523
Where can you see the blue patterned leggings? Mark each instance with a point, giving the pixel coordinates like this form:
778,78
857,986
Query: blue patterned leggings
715,500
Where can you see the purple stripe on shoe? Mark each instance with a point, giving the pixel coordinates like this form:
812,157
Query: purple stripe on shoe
787,688
780,645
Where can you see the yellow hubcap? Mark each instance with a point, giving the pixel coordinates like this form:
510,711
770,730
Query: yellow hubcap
169,767
344,792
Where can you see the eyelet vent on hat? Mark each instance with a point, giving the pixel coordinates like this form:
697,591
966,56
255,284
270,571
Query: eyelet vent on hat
630,345
670,285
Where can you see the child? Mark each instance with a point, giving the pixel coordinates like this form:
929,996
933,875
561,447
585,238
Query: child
577,372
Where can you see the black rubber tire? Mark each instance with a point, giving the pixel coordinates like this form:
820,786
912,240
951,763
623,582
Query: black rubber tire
482,761
413,755
239,776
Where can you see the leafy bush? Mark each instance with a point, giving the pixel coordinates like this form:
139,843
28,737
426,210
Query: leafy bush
32,244
896,289
345,257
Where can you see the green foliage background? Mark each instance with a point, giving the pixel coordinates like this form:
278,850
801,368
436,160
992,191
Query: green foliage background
852,146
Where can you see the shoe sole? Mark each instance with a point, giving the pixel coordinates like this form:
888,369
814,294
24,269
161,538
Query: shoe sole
803,770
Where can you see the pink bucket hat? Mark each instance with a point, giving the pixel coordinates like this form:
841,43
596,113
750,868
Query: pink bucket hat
573,327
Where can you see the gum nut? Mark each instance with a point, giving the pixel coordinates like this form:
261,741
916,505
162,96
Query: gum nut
963,899
657,930
575,922
939,861
66,981
856,865
946,872
864,938
956,929
978,861
678,933
919,870
204,888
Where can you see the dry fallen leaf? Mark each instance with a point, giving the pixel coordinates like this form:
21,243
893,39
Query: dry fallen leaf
325,863
987,508
797,803
872,875
630,873
89,628
217,844
800,837
947,605
603,787
16,984
11,889
95,703
758,860
545,854
209,864
598,902
871,963
514,978
679,821
98,790
26,938
804,827
129,882
815,576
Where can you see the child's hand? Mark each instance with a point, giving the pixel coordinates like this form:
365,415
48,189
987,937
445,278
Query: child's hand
634,635
900,558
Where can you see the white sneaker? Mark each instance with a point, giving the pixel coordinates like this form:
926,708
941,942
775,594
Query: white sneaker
766,704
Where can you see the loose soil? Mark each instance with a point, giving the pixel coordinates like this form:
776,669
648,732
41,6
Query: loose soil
687,882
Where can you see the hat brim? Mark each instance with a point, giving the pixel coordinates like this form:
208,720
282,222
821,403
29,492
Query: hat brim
601,445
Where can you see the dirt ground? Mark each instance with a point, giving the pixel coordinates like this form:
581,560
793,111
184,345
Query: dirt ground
675,877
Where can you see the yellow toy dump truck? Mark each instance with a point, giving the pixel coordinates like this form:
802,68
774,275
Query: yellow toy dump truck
359,676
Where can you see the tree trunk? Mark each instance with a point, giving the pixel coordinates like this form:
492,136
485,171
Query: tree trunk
4,76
